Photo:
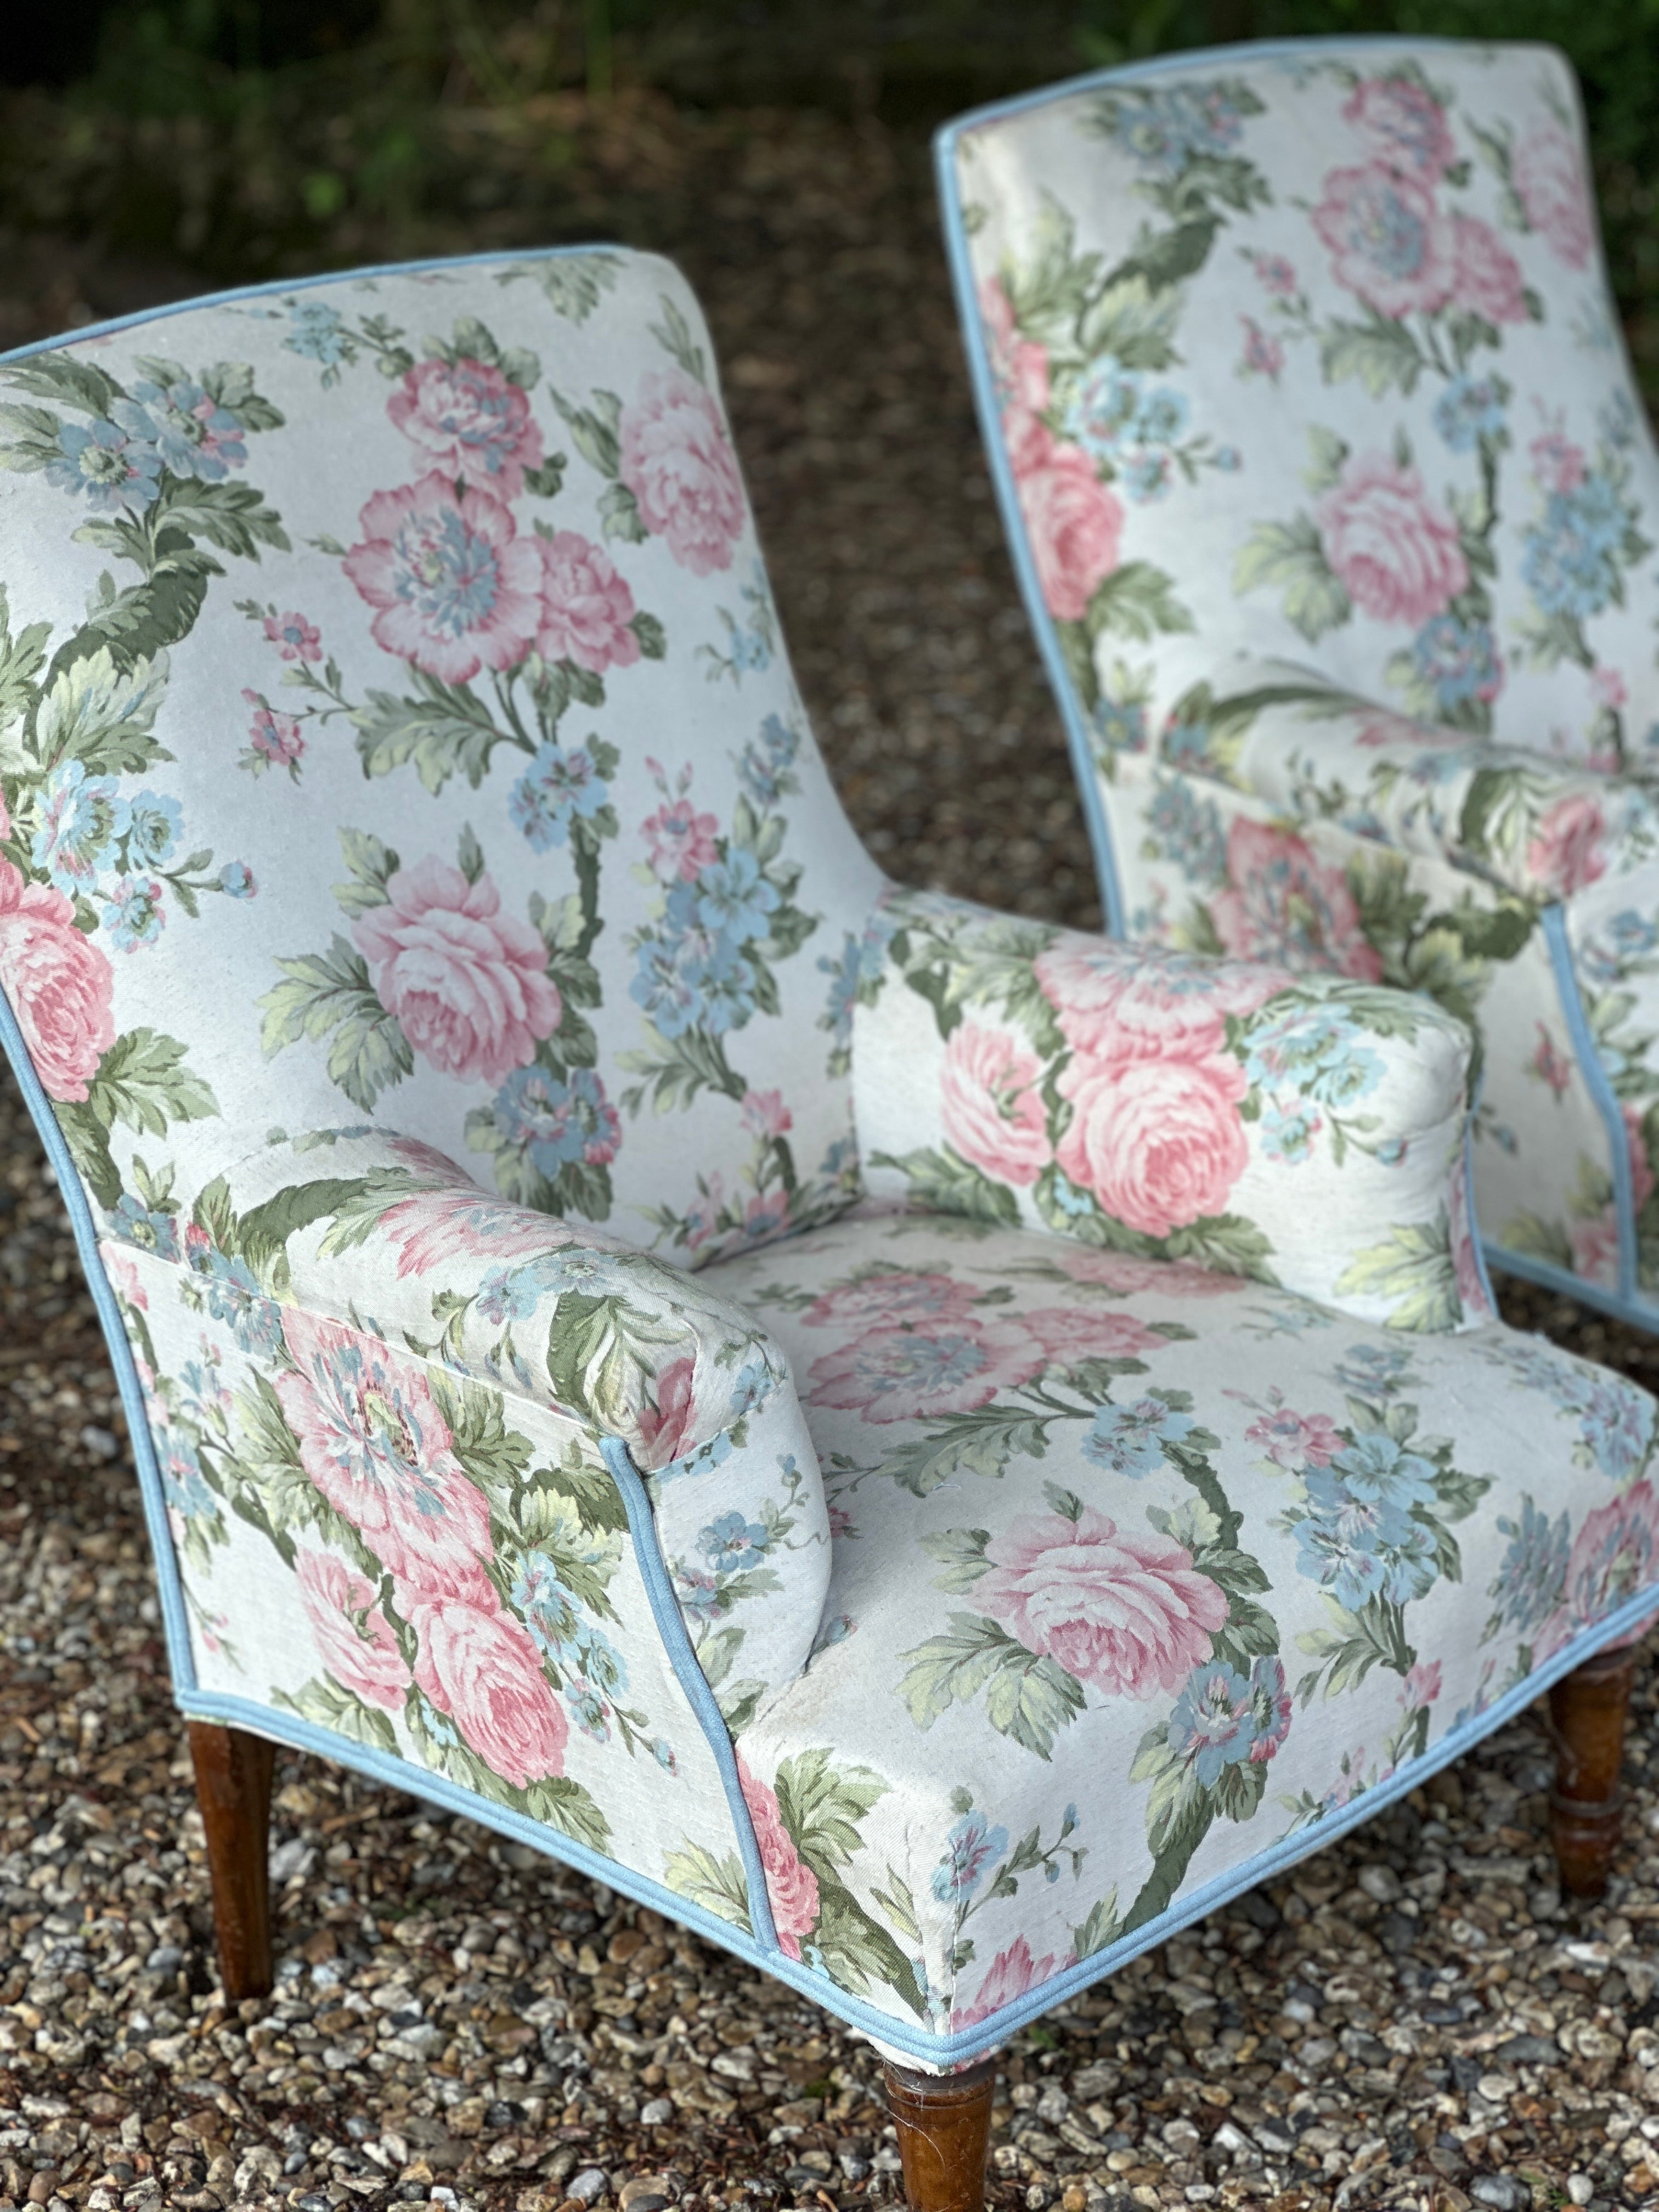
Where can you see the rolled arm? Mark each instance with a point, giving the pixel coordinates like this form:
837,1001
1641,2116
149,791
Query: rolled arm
378,1234
1535,826
1308,1131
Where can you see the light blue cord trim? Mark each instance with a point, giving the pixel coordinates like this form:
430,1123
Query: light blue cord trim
671,1626
280,285
1640,1313
1596,1081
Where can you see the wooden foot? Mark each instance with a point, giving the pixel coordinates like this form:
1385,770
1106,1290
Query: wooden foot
943,2123
1587,1722
233,1787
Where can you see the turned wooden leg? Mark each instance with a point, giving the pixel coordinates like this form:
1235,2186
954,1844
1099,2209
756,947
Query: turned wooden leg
943,2123
233,1787
1587,1722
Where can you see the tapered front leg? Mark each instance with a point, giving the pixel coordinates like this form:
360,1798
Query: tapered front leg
233,1787
943,2123
1586,1721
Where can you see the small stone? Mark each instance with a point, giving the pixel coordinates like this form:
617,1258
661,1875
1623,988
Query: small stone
1381,1882
588,2186
1580,2188
645,2192
659,2110
1500,2191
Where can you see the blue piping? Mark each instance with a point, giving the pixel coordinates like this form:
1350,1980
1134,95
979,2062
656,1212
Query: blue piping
671,1626
1596,1081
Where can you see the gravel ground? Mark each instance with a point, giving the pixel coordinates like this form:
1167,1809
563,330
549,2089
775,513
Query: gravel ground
1413,2019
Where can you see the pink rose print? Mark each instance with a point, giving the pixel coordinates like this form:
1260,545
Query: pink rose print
668,1430
457,589
1282,903
1421,1685
1159,1143
434,1228
1488,274
1548,177
1405,126
765,1115
1566,852
123,1272
468,422
946,1366
1262,355
1069,1334
1128,1614
1011,1973
1614,1555
677,462
355,1640
467,983
1111,999
1397,554
1558,463
293,637
478,1665
1294,1441
274,738
60,984
1074,520
889,1295
373,1441
993,1111
1019,368
1389,241
679,841
587,607
792,1888
1132,1278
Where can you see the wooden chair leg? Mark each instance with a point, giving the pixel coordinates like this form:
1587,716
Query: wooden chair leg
1587,1722
233,1787
943,2123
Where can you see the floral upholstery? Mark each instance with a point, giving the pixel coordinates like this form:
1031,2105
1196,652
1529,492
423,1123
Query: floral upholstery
1336,505
455,1004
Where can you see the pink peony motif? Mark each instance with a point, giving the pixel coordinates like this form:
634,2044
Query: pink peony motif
373,1441
355,1640
765,1115
467,984
1489,278
1010,1974
587,607
1129,1614
1405,126
993,1111
1263,355
1397,554
1159,1143
668,1429
703,1216
1389,241
123,1272
468,422
60,984
1019,368
434,1228
1421,1685
1073,521
1132,1278
1282,903
677,460
293,637
1557,463
888,1295
1566,853
1294,1441
478,1665
1120,1001
1070,1334
679,841
946,1366
1614,1555
792,1888
457,589
1548,177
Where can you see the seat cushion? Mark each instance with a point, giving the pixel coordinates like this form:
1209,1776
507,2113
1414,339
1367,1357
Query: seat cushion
1144,1579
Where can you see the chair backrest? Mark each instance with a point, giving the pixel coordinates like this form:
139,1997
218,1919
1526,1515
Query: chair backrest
394,729
1309,351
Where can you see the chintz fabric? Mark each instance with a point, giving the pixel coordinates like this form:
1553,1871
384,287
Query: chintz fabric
1338,502
566,1214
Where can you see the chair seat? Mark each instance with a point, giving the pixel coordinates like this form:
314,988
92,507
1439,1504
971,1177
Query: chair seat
1115,1623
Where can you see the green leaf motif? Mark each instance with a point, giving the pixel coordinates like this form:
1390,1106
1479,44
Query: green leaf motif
1136,601
980,1443
942,1181
567,1806
103,714
371,866
1028,1698
1380,354
1413,1269
1133,323
823,1806
143,1083
717,1884
444,731
1288,558
572,284
961,1555
331,993
325,1703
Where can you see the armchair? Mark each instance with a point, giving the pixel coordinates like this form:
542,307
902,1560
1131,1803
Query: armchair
1332,494
931,1446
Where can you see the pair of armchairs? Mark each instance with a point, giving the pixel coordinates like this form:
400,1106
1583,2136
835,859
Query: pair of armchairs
930,1447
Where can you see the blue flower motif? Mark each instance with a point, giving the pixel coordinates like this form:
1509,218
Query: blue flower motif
186,1488
732,1543
1146,476
1324,1055
1210,1726
194,434
557,1123
1627,937
1468,410
1532,1571
151,825
134,915
751,1386
971,1850
1229,459
113,459
1186,830
1161,416
1130,1439
317,334
557,788
81,819
1568,561
765,761
1165,128
131,1222
1374,1371
1120,725
237,878
1376,1466
735,899
1101,412
1459,661
1288,1133
1360,1546
549,1610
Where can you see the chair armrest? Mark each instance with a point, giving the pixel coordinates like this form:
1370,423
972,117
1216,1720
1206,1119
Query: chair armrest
1308,1131
1536,826
381,1235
